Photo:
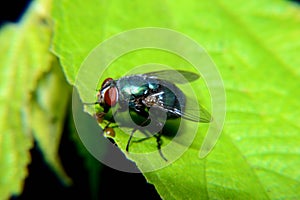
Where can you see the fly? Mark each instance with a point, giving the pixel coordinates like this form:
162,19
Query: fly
140,93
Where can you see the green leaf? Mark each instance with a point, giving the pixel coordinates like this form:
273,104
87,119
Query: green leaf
74,40
47,102
25,57
47,109
15,139
255,46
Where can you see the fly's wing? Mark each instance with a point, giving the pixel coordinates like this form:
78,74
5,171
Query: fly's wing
174,76
180,77
203,117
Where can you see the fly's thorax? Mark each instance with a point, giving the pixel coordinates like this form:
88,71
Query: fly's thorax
137,86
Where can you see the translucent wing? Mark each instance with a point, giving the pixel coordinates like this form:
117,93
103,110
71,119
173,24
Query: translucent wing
203,117
174,76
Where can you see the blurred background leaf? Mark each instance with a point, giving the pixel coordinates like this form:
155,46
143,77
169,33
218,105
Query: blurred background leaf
47,109
25,59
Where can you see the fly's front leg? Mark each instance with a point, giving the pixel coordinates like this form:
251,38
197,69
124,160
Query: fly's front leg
108,131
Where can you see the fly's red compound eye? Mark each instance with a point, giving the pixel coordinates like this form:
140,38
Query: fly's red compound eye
111,96
105,82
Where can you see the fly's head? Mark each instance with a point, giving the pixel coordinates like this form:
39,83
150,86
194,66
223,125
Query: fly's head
108,95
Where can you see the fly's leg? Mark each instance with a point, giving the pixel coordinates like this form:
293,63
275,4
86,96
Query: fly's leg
107,130
157,136
158,140
135,129
128,142
159,143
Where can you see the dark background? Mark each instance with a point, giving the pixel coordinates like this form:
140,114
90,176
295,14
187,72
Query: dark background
10,11
42,183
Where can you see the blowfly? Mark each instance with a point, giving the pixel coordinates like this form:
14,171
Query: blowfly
141,93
